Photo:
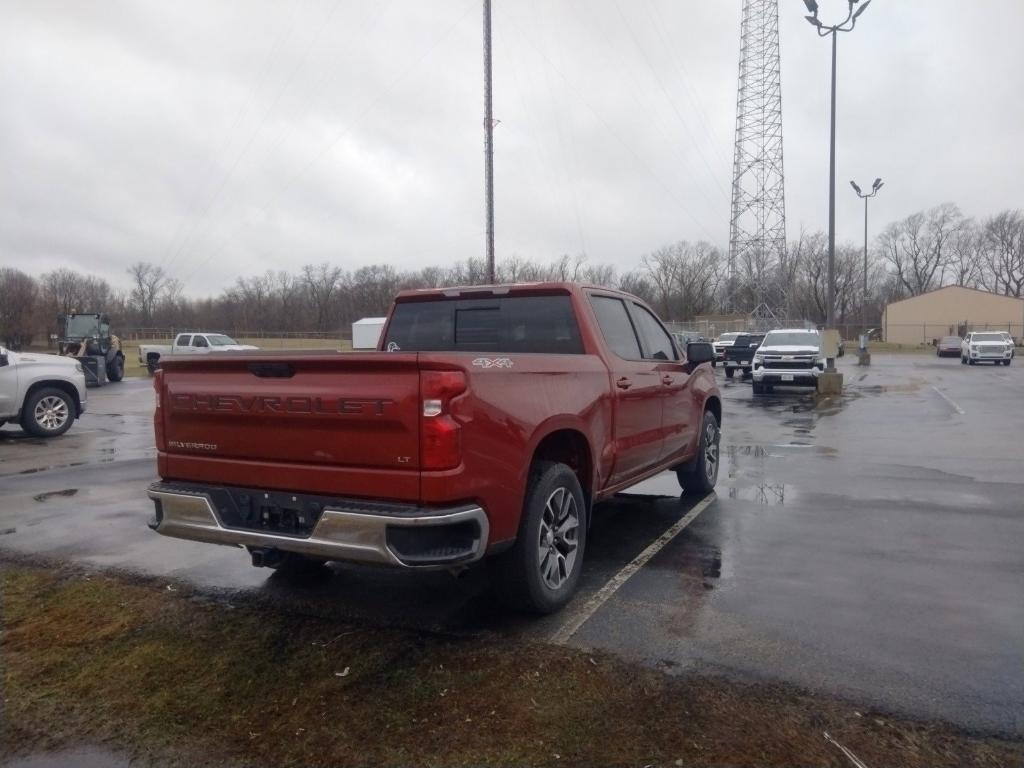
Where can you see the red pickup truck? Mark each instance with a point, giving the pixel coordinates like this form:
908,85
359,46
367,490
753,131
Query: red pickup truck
488,423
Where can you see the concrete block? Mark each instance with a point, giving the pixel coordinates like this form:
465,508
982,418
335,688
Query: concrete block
830,384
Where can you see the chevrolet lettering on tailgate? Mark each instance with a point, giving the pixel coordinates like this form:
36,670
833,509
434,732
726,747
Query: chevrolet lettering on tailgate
241,404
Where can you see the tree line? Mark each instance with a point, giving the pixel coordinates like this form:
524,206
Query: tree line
682,280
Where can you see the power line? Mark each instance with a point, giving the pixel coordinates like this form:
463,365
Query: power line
668,97
321,28
614,133
286,187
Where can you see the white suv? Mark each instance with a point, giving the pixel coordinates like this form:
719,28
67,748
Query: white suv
44,393
987,346
788,356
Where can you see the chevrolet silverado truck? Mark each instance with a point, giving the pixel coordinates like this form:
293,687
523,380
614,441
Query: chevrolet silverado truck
43,393
487,424
150,355
790,357
739,356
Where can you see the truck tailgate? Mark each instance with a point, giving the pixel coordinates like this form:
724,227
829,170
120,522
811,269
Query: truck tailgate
338,411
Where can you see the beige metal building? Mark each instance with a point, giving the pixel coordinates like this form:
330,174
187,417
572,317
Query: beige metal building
953,310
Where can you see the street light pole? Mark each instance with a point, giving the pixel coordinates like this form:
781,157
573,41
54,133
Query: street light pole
488,146
865,196
846,25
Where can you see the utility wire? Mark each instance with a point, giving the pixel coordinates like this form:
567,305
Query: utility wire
240,115
660,26
286,187
668,97
613,132
322,27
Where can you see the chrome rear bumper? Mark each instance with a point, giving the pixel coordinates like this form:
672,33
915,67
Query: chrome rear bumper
339,534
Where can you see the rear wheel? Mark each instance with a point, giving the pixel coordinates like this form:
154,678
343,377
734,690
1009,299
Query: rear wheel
540,572
48,412
153,363
1006,362
729,372
701,476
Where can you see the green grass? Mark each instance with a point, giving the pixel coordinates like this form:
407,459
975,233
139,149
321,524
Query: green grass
135,666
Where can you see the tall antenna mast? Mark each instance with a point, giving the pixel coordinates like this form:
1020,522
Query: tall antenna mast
757,227
488,143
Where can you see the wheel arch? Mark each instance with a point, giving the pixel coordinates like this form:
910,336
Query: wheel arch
570,446
65,386
714,404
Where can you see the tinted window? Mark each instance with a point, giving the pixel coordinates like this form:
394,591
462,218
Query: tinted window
616,327
183,340
200,342
545,324
748,341
658,342
783,339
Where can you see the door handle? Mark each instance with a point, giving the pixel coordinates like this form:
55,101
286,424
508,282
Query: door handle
666,379
624,383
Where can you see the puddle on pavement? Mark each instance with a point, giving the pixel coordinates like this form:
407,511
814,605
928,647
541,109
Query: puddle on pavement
766,494
51,494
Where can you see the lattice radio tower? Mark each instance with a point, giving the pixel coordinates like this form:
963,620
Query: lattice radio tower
757,228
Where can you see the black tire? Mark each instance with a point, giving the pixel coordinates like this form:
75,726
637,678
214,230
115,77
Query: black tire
115,371
758,388
702,475
48,412
1007,362
971,362
730,372
525,579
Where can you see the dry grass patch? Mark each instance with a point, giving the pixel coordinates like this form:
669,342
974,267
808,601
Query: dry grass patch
92,659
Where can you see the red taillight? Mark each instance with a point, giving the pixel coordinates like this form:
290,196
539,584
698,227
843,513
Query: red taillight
158,415
440,434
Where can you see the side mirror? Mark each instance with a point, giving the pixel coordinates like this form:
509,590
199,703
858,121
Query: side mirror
698,352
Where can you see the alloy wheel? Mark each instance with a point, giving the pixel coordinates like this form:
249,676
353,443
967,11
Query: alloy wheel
558,539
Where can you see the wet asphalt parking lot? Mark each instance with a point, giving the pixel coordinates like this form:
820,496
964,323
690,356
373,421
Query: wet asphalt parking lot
869,546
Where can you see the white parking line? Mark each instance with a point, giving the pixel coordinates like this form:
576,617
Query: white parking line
580,617
949,400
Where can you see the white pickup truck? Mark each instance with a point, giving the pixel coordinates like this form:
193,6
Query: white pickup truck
189,344
44,393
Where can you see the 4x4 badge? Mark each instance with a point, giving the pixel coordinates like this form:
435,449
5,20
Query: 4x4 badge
492,362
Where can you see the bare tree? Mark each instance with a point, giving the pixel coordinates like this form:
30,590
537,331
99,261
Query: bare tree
920,247
1003,242
148,282
966,264
18,307
322,282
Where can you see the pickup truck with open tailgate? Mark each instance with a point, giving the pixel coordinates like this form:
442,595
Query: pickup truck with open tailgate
487,424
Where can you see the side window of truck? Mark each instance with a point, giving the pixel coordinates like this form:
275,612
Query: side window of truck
183,340
200,341
658,344
616,327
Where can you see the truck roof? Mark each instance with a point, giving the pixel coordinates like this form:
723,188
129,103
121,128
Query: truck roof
503,289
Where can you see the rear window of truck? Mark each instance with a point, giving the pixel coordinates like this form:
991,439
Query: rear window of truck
540,324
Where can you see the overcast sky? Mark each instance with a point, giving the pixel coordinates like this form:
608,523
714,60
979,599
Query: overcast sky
220,138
